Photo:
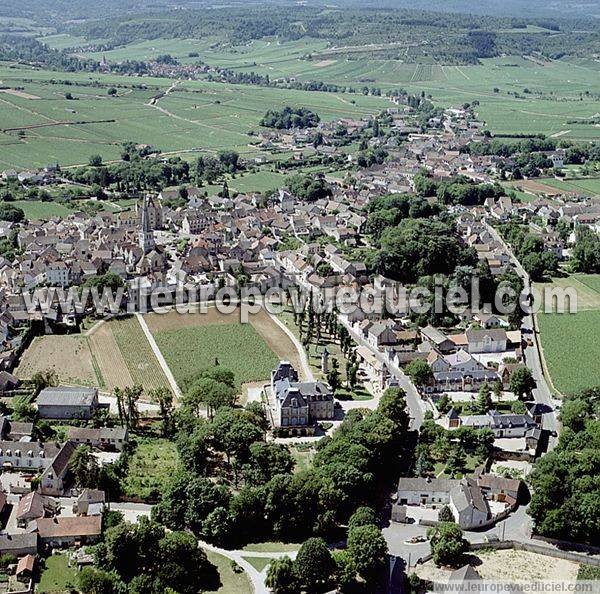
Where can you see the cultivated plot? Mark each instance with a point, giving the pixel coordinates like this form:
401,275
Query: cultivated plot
193,342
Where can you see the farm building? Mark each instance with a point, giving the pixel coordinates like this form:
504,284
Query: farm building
67,403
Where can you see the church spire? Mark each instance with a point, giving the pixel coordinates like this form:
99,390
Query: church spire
146,235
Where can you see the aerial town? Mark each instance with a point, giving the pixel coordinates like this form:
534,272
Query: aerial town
376,371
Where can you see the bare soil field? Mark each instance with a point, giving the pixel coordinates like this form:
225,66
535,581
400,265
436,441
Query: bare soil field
69,356
535,187
509,566
20,94
109,359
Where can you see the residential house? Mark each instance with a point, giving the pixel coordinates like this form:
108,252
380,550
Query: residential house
109,438
502,425
299,404
458,371
437,339
34,506
31,455
468,504
425,491
492,340
90,502
468,498
54,479
68,531
19,545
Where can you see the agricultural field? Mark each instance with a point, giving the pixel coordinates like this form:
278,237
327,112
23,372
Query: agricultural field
569,343
587,287
235,346
69,356
149,468
199,115
587,186
260,181
195,116
108,357
549,101
36,209
211,334
141,362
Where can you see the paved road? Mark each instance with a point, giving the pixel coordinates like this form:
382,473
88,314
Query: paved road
517,527
542,392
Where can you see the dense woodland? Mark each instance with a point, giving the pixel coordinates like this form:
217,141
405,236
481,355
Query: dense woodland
566,495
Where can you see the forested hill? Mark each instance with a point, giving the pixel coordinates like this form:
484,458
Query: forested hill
512,8
86,9
449,38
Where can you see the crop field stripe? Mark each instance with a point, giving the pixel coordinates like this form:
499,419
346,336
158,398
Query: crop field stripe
140,359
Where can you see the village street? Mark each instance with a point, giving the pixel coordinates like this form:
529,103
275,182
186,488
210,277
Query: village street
415,403
541,392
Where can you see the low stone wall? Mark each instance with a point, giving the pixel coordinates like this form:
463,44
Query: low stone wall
532,548
567,544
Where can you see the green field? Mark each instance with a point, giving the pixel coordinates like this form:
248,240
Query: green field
151,465
587,287
236,346
555,101
35,209
57,577
589,186
569,340
516,94
259,563
230,581
570,345
137,353
44,127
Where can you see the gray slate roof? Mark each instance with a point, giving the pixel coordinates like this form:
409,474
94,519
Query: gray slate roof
67,396
425,485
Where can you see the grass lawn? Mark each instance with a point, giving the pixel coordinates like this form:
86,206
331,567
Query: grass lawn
314,351
230,580
303,455
236,346
149,468
588,572
259,563
271,547
591,281
58,577
570,345
358,394
471,463
36,209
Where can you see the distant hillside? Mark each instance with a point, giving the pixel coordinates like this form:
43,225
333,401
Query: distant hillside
87,9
